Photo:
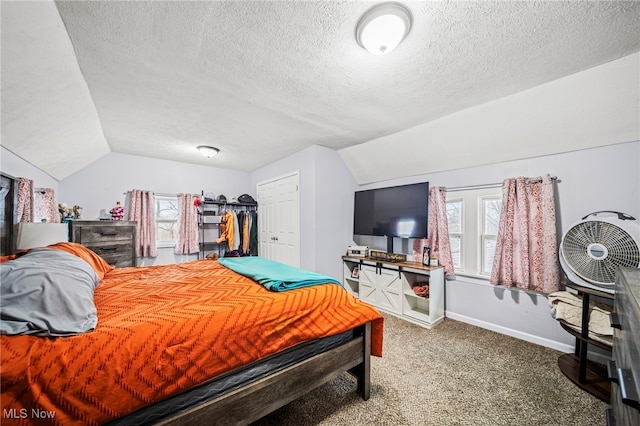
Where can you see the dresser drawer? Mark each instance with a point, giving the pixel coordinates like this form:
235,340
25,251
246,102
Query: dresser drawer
117,254
114,241
105,234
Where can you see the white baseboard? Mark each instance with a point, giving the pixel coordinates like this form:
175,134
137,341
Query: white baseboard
562,347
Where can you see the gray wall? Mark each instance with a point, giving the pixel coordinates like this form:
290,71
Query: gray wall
606,178
97,187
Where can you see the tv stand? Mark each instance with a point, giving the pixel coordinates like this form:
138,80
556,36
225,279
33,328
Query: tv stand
389,287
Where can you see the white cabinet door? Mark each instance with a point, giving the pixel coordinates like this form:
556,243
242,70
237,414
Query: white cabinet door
279,219
382,288
368,289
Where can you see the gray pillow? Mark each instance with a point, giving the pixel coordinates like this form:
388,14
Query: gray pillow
47,292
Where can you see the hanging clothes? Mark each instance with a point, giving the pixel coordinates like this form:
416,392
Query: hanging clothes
227,233
241,215
236,233
245,233
253,233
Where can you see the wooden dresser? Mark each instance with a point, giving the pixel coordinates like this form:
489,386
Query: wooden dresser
114,241
624,369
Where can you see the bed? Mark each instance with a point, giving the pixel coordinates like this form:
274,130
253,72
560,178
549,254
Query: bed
190,343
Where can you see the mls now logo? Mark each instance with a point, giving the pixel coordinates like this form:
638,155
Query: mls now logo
23,413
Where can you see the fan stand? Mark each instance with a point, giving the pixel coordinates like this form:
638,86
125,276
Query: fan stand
588,375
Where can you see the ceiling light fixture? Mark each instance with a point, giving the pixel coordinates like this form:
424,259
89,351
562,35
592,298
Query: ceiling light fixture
383,27
208,151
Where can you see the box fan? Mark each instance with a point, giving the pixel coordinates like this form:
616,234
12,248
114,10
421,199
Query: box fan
593,248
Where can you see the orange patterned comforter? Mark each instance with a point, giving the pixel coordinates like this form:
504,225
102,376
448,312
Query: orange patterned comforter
161,330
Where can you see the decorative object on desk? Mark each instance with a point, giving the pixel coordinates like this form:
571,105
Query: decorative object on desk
358,251
433,261
387,257
592,249
117,213
67,213
77,212
426,256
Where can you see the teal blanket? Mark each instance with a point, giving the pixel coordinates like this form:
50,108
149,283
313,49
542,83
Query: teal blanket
275,276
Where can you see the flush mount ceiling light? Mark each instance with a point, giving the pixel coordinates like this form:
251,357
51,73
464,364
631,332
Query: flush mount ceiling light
383,27
208,151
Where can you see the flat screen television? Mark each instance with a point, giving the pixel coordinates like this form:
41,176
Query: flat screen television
397,211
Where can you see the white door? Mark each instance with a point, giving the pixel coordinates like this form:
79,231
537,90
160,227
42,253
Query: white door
279,219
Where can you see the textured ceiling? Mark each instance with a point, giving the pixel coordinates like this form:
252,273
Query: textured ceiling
264,79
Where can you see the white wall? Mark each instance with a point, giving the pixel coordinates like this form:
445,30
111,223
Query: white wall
98,186
326,205
606,178
334,211
15,166
303,162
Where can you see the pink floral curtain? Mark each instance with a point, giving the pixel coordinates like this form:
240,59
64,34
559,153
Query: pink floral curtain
45,206
25,200
438,231
527,248
188,237
142,210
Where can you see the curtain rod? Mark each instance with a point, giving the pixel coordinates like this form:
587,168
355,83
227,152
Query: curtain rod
159,194
492,185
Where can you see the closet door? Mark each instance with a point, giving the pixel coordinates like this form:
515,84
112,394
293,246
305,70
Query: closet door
279,219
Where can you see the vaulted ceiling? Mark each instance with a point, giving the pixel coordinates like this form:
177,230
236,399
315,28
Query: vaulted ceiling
264,79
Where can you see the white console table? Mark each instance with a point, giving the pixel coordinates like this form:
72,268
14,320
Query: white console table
389,287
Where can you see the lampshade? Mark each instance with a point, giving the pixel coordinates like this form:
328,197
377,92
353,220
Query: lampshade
383,27
38,234
208,151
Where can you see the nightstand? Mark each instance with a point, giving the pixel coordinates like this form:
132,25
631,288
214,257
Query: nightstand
114,241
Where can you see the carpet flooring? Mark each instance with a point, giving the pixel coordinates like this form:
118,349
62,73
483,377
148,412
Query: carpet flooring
453,374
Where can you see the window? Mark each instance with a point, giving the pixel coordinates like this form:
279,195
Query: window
473,218
490,221
166,221
454,219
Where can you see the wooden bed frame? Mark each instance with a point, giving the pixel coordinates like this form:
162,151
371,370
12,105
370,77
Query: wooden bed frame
252,402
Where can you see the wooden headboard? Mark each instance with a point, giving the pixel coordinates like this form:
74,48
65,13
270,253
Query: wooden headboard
9,199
